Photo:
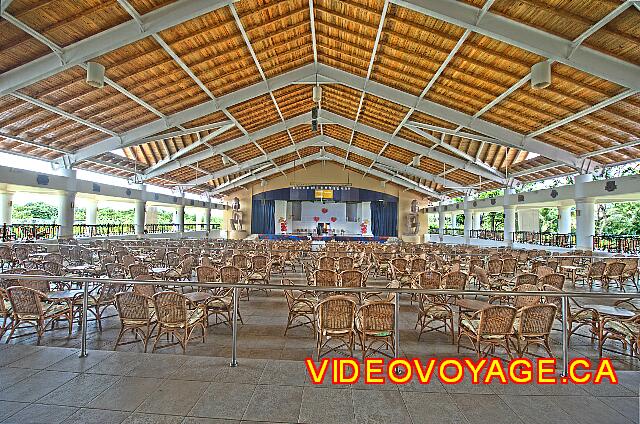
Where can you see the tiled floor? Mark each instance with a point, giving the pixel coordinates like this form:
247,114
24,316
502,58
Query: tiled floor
124,387
51,384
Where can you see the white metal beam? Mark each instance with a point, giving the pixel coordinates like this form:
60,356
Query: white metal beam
56,49
126,33
256,161
233,184
312,18
62,113
381,174
458,152
453,132
385,8
203,140
529,38
4,5
143,132
414,147
396,166
506,136
584,112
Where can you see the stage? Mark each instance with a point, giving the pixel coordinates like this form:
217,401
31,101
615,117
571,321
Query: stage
322,238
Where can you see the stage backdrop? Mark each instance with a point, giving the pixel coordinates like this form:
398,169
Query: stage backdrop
384,219
263,217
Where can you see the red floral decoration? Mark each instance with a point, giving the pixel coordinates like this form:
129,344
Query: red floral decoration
316,218
334,219
325,210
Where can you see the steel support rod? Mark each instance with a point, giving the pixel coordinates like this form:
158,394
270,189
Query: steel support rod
396,330
565,336
234,330
85,307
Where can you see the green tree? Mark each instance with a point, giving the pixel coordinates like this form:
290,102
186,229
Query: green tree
34,210
549,220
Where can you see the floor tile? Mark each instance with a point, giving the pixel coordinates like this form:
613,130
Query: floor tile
126,394
96,416
274,403
627,406
36,386
589,410
537,409
173,397
80,391
284,373
200,369
314,405
41,414
224,400
379,406
14,352
44,358
10,376
7,409
434,408
484,409
140,418
73,363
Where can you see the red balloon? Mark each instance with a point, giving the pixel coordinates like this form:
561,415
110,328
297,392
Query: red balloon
334,219
316,218
325,210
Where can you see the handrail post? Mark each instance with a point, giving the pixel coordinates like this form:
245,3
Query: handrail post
234,330
85,306
565,336
396,330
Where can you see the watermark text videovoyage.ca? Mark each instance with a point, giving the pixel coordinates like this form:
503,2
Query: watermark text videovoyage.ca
456,370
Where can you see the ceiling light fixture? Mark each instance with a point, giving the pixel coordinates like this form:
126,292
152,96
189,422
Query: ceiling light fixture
95,74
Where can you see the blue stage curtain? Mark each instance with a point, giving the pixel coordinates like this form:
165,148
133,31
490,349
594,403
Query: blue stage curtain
384,219
263,217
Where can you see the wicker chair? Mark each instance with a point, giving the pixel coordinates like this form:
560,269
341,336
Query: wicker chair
494,268
345,263
327,262
593,273
260,272
146,290
182,271
301,305
135,316
433,308
554,280
400,271
374,324
509,268
43,285
626,331
491,327
99,299
30,306
526,278
326,278
53,268
532,327
543,270
577,315
174,318
417,266
5,312
614,273
220,304
138,269
115,270
456,280
335,317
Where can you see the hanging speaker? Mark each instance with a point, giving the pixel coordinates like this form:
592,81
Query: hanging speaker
540,75
317,93
314,125
95,74
314,112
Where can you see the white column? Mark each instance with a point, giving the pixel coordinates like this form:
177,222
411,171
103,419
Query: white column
441,218
6,206
179,218
477,220
585,214
151,216
140,214
207,218
529,220
468,220
509,217
66,206
564,219
92,212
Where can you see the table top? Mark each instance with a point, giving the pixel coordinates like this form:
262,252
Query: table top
81,268
64,294
197,297
159,270
472,304
611,311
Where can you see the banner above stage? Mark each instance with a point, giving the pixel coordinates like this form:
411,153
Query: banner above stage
352,195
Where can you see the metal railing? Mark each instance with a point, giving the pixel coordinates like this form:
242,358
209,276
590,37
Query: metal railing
545,238
617,243
161,228
13,232
487,235
103,230
84,283
453,231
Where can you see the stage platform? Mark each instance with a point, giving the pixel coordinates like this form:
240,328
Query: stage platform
322,238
